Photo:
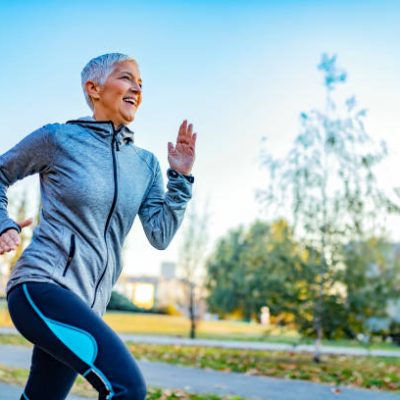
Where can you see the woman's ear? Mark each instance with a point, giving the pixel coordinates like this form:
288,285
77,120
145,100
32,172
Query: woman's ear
93,90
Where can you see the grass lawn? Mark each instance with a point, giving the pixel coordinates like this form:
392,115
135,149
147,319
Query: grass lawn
150,324
155,324
179,326
82,388
366,372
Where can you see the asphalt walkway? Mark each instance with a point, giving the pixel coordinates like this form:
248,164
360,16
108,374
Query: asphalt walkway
247,345
207,381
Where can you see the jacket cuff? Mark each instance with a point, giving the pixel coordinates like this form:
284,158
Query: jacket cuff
9,224
171,173
179,189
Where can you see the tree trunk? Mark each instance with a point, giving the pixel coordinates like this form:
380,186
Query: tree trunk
317,352
192,311
318,330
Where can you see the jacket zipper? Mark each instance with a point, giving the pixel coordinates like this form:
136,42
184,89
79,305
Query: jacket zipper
70,255
114,141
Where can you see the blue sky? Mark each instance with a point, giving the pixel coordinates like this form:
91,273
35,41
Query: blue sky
238,70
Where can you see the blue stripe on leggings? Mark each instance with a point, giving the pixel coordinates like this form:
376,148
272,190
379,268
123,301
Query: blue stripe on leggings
106,382
80,342
25,396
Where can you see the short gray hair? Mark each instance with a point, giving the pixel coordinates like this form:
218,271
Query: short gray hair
98,69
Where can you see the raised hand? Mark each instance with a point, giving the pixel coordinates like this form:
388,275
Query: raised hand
9,240
181,156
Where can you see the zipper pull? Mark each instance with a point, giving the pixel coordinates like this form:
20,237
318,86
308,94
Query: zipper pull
117,145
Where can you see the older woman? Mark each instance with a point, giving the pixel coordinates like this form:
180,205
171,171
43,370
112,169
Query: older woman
94,180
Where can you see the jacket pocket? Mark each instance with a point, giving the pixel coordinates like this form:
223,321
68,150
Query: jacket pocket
70,254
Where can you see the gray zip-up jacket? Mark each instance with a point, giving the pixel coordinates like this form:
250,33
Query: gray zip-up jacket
93,182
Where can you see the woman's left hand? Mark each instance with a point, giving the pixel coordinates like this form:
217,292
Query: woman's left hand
181,156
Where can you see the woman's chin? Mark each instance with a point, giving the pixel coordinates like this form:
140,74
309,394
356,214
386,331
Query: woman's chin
128,119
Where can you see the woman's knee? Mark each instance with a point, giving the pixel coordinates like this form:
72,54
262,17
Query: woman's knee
131,387
136,391
134,387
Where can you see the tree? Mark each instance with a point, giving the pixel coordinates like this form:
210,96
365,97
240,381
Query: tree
272,270
372,281
327,185
225,275
259,266
191,261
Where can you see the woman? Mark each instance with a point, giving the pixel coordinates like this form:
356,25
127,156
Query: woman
94,180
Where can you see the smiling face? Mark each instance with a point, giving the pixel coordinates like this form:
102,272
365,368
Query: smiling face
118,99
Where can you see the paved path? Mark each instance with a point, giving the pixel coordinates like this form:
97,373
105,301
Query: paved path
206,381
244,345
13,392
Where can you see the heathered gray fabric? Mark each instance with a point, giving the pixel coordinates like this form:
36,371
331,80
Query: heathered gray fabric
76,167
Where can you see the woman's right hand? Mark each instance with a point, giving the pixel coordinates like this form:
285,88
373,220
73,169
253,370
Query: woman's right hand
9,240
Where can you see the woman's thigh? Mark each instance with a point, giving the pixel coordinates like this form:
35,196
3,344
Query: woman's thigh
61,324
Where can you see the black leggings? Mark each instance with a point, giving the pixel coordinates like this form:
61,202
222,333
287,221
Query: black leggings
70,339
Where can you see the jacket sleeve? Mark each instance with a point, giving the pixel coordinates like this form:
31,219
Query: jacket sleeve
31,155
161,213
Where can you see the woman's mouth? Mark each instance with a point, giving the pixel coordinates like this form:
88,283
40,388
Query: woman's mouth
130,100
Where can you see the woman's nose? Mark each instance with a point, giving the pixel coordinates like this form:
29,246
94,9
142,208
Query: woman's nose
136,88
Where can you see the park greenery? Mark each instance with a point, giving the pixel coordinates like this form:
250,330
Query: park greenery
265,265
366,372
331,271
119,302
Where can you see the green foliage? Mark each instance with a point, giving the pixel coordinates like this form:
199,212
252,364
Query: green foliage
119,302
257,267
264,265
327,186
372,279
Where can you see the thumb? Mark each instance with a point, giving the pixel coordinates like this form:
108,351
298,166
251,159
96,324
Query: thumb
25,223
170,147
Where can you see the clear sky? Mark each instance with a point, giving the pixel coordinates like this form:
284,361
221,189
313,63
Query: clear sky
239,70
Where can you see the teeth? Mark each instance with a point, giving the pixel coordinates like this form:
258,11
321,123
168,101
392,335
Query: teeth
130,100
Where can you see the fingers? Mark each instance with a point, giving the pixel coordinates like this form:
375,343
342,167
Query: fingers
182,132
186,135
9,241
